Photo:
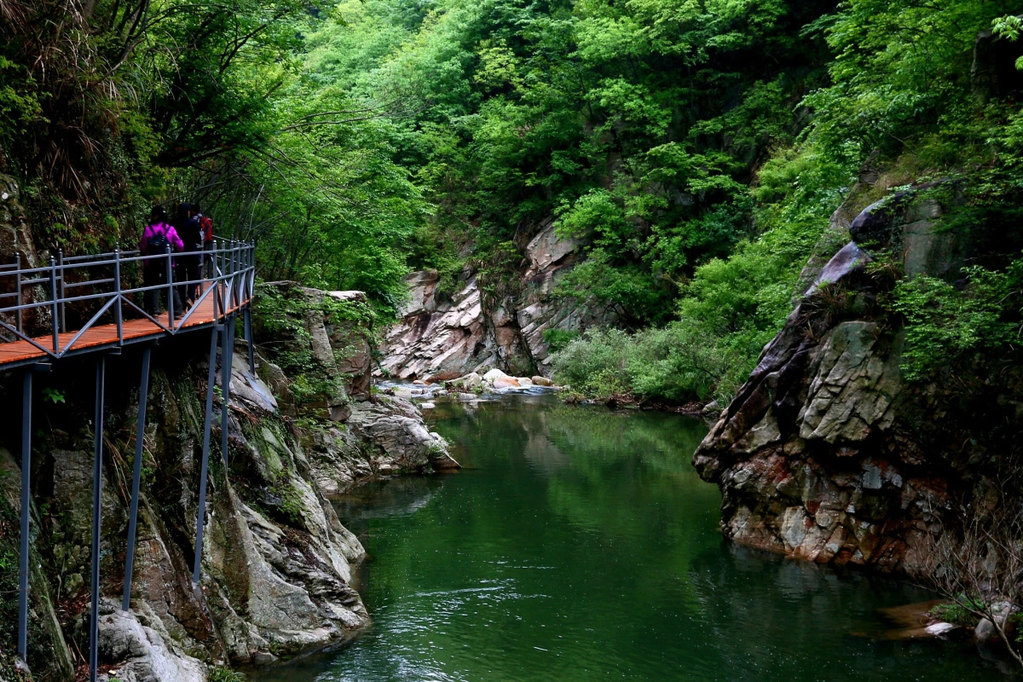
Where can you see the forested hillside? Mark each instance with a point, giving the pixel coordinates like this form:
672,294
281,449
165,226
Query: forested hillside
696,149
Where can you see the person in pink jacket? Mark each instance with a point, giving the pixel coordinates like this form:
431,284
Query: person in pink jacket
156,238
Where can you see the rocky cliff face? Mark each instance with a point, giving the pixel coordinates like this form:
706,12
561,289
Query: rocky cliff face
277,562
826,453
449,337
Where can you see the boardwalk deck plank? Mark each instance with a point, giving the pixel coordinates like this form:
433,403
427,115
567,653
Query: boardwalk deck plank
21,351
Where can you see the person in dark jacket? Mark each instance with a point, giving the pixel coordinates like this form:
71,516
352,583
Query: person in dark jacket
190,230
157,236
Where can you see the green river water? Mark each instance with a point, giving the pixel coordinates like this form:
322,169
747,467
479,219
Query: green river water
579,544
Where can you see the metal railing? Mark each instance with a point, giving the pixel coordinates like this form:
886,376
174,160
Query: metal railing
103,288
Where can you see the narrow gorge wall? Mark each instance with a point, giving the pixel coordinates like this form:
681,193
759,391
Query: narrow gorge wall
449,336
827,453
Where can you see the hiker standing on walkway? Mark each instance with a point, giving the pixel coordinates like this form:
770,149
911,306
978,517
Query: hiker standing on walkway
206,223
156,238
188,263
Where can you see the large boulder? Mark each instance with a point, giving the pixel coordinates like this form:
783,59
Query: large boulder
401,441
826,453
438,336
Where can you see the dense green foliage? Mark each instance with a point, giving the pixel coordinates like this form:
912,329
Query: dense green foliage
947,325
695,150
636,127
901,104
108,107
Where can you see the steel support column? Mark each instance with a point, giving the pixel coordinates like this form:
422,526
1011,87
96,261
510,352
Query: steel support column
248,337
97,505
136,477
26,510
226,356
203,471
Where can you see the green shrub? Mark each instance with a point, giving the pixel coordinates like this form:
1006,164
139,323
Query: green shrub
679,363
218,674
945,323
962,612
594,363
556,339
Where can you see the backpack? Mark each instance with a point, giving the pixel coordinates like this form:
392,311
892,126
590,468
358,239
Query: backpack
206,223
158,243
191,234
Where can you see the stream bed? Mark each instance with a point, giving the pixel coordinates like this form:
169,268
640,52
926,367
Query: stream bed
579,544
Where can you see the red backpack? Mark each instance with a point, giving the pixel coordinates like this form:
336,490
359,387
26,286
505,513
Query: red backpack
206,226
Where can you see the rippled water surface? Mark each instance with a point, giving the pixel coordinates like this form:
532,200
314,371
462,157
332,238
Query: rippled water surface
579,544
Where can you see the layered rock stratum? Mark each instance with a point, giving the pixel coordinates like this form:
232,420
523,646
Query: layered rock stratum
445,336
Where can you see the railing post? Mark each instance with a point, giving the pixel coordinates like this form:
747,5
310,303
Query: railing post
232,277
239,264
118,312
53,306
215,279
60,265
200,521
17,285
226,355
239,275
221,290
170,290
252,269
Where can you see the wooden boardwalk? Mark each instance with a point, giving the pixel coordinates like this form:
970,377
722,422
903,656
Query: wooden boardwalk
202,314
105,288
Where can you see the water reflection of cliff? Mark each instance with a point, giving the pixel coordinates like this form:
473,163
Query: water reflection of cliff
401,496
772,618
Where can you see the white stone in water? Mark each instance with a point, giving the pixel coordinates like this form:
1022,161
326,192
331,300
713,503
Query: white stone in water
939,629
493,375
427,405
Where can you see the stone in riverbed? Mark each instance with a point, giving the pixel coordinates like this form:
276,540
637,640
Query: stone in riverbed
494,375
939,629
468,382
987,633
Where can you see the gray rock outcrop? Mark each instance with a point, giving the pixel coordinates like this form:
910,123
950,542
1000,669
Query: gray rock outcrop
826,453
443,337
